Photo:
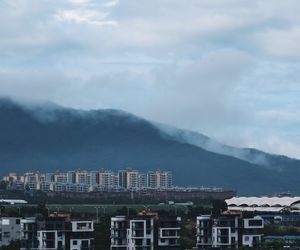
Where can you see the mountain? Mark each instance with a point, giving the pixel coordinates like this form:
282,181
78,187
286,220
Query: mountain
47,137
271,161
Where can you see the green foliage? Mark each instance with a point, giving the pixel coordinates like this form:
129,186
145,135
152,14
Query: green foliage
126,211
187,235
274,245
14,245
3,185
219,206
102,234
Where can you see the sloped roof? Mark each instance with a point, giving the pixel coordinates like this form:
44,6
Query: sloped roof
263,201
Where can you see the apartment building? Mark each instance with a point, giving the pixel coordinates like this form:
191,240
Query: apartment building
82,177
142,181
45,186
61,177
56,232
132,179
9,230
29,234
147,232
108,180
228,231
160,179
128,179
71,176
169,233
93,178
87,181
31,180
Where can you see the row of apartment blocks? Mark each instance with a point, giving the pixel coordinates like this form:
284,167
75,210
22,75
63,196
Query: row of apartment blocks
148,232
56,232
145,231
87,181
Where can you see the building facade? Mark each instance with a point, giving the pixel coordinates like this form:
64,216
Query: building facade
9,230
145,232
55,233
90,181
160,179
228,231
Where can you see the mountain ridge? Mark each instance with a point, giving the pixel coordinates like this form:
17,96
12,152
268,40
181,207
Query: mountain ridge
57,138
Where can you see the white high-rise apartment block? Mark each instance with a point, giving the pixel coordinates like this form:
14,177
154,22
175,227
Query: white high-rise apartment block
82,177
93,178
61,177
132,179
108,180
129,179
160,179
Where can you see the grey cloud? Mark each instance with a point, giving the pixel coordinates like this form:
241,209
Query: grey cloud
221,67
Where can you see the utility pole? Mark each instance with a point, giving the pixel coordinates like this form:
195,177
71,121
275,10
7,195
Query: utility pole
131,195
97,214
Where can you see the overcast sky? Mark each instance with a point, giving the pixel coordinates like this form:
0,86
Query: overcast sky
227,68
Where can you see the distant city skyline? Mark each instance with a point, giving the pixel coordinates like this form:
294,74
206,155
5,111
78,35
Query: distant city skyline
228,69
87,181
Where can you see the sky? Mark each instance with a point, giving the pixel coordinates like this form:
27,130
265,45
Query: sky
228,69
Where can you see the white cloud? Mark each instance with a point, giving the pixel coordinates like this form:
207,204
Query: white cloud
86,17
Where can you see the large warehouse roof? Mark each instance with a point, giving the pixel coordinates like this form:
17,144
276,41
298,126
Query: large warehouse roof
263,201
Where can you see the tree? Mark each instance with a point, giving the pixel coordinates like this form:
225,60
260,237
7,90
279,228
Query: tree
14,245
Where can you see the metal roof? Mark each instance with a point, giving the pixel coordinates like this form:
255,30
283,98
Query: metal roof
263,201
257,209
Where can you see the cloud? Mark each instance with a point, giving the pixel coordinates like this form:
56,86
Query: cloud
86,17
282,43
225,68
88,12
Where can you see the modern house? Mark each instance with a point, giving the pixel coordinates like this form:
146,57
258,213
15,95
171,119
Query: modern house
56,232
147,232
228,231
9,230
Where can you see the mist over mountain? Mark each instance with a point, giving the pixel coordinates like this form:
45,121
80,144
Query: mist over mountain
252,155
47,137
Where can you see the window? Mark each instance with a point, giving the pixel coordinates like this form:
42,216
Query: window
84,243
255,223
75,242
6,234
246,238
